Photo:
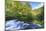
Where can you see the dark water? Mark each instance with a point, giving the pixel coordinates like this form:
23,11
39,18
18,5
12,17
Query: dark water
20,25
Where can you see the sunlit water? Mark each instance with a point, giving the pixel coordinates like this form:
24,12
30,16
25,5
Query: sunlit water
20,25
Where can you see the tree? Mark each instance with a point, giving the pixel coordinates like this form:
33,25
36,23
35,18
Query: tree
40,16
21,11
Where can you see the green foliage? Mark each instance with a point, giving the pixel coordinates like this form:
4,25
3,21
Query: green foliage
40,16
19,10
23,12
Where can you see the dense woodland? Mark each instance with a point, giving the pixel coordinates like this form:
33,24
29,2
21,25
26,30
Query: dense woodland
23,12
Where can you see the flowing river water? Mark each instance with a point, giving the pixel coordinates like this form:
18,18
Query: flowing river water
20,25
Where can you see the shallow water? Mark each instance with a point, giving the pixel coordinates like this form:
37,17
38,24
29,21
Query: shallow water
20,25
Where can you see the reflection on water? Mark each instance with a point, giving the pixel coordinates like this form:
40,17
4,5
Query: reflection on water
20,25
